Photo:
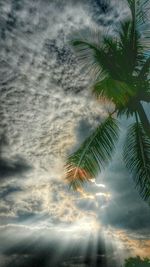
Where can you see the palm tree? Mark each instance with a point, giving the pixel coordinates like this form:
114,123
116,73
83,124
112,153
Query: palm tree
120,64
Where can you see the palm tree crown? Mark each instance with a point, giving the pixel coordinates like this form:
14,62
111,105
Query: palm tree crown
121,66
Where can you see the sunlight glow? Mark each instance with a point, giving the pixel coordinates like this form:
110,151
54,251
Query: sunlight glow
85,194
102,203
98,185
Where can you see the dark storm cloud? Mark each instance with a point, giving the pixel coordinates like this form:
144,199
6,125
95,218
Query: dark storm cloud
10,168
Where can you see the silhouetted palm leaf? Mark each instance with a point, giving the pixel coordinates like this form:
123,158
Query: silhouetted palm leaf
117,57
139,10
137,157
89,55
131,48
116,91
93,154
140,18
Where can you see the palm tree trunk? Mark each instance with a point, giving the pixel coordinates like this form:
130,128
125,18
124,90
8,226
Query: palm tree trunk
143,118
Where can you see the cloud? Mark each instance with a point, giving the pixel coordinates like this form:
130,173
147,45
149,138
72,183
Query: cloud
46,111
12,167
108,14
39,107
133,243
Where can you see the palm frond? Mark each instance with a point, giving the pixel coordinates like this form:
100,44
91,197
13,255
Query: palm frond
104,58
145,39
117,91
88,49
140,10
94,153
113,57
137,158
131,48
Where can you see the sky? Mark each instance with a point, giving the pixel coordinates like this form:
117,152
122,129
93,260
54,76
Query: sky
46,111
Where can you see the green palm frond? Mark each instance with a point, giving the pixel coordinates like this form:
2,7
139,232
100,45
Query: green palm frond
131,48
116,91
114,57
137,158
89,53
112,60
140,10
103,59
120,56
93,154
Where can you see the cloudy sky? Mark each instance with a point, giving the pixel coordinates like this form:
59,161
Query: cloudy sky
46,111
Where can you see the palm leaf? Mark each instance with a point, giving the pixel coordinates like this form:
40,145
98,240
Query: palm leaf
116,58
131,48
114,90
140,18
139,10
137,158
93,154
103,58
88,50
